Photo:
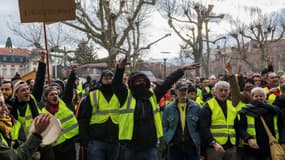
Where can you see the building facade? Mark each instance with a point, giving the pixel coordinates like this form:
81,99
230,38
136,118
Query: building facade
18,60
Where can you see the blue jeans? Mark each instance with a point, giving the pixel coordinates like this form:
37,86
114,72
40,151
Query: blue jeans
99,150
182,152
139,154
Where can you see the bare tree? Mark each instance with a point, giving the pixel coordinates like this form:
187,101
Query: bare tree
31,33
57,37
109,22
261,31
186,18
264,29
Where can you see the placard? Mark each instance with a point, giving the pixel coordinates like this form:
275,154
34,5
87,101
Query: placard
46,10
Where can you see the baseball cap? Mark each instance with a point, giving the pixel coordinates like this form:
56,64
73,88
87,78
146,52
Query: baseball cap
181,86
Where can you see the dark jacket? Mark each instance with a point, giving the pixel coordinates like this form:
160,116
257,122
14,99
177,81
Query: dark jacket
267,111
107,131
36,92
46,152
205,124
24,152
144,133
207,94
68,91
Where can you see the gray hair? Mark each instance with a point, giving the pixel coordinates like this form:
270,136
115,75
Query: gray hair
221,83
258,90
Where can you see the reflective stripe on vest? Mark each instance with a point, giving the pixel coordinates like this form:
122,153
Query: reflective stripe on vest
102,110
251,127
222,128
26,121
126,125
68,122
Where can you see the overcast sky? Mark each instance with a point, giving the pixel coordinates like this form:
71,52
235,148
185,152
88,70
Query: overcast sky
9,10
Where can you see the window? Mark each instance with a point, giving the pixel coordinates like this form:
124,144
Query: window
12,71
4,71
4,58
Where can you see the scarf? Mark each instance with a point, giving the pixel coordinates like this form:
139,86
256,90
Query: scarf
6,125
52,108
257,109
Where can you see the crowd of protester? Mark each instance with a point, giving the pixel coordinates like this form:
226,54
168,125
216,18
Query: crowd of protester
128,117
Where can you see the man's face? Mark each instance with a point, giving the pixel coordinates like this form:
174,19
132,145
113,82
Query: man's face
23,93
222,92
52,97
4,111
7,90
192,95
204,83
139,80
107,79
181,94
247,89
212,80
272,79
282,79
257,81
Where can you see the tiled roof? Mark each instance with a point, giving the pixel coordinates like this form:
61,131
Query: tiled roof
14,51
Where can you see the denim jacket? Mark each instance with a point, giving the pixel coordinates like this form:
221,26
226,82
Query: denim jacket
171,118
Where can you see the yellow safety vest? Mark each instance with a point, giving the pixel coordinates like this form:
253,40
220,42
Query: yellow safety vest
208,90
102,110
251,127
222,128
15,130
68,122
271,98
80,89
199,93
26,121
126,125
199,101
239,106
3,140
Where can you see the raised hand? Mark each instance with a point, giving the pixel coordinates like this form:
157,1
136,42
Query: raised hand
228,67
190,66
123,62
269,60
41,123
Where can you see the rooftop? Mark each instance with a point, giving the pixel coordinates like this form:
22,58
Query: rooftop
14,51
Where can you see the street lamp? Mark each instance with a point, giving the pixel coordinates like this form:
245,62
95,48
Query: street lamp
164,64
164,67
